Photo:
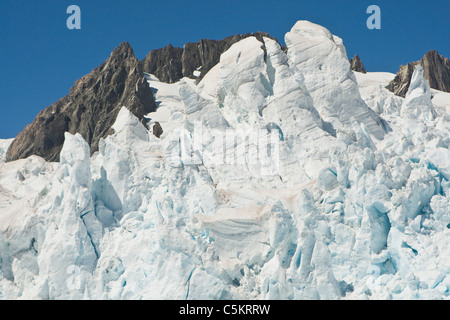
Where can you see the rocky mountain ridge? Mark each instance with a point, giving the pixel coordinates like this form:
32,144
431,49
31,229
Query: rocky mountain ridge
90,108
436,70
357,65
170,64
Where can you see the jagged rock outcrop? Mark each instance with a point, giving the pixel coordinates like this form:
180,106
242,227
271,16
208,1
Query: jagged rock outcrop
402,80
165,63
436,70
90,108
357,65
170,64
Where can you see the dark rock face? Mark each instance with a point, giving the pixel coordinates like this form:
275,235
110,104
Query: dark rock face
157,130
170,64
165,63
357,65
436,70
90,108
402,80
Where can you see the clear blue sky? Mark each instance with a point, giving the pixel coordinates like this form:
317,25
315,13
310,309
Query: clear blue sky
40,58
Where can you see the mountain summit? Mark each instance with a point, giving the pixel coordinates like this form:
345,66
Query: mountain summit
436,70
357,65
90,108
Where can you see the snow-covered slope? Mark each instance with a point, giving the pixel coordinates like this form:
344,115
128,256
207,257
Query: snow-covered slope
278,176
4,144
322,59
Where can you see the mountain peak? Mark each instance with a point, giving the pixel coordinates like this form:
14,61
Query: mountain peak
90,108
436,70
357,65
123,50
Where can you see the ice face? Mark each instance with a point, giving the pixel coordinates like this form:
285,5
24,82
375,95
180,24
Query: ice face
323,61
4,144
418,103
275,178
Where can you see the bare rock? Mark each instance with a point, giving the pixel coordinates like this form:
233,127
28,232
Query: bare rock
164,63
171,64
90,108
357,65
436,69
157,130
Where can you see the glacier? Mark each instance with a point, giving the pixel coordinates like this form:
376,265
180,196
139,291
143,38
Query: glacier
280,175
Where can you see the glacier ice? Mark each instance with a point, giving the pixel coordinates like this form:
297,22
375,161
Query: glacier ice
278,176
4,144
323,61
418,98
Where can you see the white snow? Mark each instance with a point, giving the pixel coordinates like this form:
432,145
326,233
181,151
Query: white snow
4,145
170,112
418,99
278,176
372,86
321,58
441,101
